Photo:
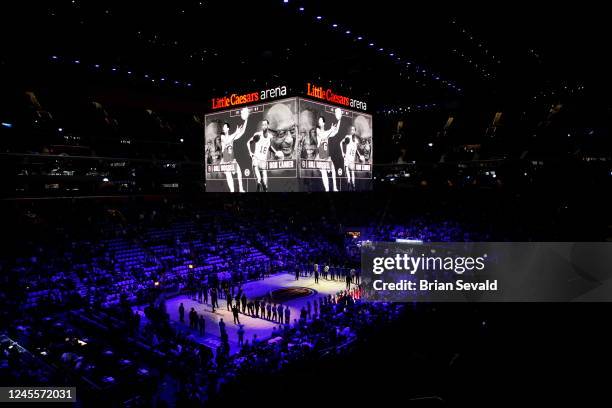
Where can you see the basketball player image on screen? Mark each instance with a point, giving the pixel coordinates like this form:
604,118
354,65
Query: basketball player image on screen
323,137
309,145
282,125
259,155
213,151
348,147
363,131
308,150
227,147
308,135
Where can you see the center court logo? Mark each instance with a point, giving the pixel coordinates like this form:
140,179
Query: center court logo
286,294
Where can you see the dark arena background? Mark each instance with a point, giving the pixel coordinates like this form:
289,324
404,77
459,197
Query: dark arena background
136,270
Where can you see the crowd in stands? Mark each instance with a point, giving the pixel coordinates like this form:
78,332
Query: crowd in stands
70,288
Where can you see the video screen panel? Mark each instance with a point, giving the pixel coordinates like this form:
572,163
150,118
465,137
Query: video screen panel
245,152
335,151
288,145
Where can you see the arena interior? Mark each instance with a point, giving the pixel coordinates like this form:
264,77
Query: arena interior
135,269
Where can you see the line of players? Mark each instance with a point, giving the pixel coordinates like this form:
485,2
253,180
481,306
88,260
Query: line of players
238,303
261,142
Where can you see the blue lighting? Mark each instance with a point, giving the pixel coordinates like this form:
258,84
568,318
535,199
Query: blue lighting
360,38
77,61
371,44
347,32
113,69
6,125
319,17
97,66
301,8
54,57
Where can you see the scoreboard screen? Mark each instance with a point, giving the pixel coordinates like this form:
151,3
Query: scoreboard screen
292,144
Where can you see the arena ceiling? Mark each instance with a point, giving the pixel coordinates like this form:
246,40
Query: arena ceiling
387,51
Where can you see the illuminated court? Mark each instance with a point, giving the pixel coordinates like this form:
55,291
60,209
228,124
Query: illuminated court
261,327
